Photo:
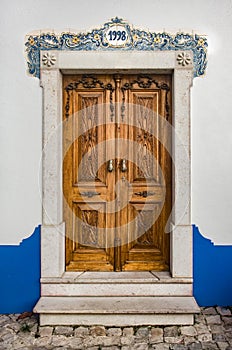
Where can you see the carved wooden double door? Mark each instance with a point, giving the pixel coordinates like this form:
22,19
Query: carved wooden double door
117,171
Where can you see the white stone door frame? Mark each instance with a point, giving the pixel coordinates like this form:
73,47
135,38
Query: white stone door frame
54,63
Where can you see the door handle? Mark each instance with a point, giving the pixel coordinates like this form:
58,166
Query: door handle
110,166
89,194
123,166
144,194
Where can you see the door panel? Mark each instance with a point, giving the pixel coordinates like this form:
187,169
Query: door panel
149,99
102,233
86,182
86,157
143,134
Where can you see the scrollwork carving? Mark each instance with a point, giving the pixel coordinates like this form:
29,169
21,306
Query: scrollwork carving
145,82
89,81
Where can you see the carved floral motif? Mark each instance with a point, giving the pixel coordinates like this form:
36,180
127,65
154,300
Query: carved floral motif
89,227
89,138
183,59
144,224
48,59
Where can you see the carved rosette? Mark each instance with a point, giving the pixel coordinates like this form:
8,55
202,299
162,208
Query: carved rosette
48,59
184,59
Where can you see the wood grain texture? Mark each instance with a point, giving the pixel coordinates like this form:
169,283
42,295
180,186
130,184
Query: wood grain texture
141,100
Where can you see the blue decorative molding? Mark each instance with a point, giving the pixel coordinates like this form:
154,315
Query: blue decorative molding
212,277
20,275
109,38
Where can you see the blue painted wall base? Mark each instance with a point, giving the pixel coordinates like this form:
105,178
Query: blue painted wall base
20,273
212,272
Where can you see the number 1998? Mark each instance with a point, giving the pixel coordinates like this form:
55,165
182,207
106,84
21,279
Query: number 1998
117,35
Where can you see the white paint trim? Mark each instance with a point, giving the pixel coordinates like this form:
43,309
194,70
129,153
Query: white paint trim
116,60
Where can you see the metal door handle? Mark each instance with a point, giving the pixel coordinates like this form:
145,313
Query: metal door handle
124,167
89,194
110,166
144,194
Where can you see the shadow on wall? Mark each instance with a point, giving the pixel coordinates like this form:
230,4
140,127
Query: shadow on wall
20,273
212,271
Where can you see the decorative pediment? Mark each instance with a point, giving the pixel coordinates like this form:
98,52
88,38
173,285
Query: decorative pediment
117,35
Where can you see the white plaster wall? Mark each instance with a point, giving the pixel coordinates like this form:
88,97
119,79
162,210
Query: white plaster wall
21,103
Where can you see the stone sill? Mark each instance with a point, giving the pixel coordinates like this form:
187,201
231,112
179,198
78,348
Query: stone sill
116,277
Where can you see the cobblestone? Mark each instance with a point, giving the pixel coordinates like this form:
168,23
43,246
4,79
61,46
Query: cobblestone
179,347
212,330
209,311
204,338
114,332
188,330
61,330
142,346
222,345
188,340
156,335
217,337
223,311
45,331
129,340
142,332
162,347
171,331
227,321
215,319
199,318
195,346
174,340
81,332
202,328
128,331
97,331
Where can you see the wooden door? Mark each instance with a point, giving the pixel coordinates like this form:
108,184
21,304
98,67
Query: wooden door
117,172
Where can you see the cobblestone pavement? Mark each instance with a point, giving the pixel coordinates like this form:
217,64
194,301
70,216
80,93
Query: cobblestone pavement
212,330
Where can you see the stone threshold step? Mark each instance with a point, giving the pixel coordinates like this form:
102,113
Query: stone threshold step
116,311
117,305
116,277
115,289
